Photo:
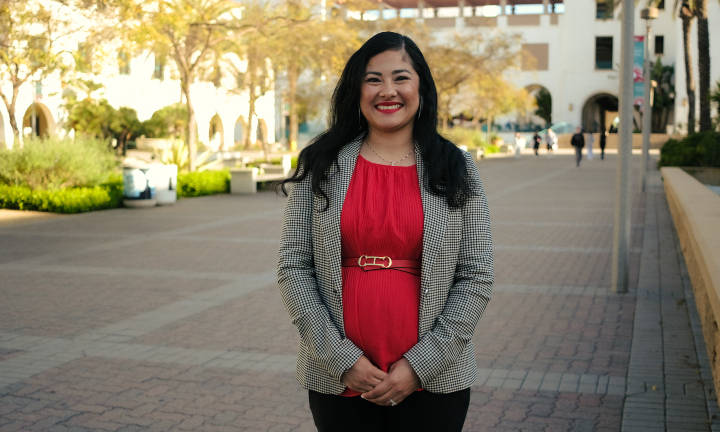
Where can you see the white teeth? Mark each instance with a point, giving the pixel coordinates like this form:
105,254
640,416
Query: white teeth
388,107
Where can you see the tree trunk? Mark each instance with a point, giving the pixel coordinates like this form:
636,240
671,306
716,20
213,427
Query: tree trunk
292,84
689,77
251,113
251,72
11,106
703,64
191,123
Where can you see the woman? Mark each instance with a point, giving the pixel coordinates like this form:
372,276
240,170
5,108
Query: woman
519,144
551,139
385,261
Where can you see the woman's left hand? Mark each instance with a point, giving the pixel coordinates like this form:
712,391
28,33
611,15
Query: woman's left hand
399,383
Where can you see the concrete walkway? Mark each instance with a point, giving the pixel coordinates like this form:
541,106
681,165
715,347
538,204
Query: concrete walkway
170,318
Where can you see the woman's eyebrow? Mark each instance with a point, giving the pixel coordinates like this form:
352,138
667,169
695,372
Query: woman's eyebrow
395,72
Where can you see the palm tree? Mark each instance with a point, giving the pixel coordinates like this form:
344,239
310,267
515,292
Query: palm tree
701,11
687,13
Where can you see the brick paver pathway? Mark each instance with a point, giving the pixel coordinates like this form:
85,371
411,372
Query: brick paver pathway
170,318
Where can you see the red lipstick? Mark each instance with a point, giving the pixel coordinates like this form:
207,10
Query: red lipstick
388,107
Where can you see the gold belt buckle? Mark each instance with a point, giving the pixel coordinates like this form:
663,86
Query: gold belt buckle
374,261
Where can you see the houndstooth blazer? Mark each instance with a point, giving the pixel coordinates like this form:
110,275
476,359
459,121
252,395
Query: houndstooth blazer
456,282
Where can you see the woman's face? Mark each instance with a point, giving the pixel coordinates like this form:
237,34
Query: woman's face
389,97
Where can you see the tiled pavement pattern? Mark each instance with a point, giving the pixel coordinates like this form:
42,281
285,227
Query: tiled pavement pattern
170,319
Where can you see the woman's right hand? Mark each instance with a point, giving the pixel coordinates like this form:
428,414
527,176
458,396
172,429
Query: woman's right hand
363,376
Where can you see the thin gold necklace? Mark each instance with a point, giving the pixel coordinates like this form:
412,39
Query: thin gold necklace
391,163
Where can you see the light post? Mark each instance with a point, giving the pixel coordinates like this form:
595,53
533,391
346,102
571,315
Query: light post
623,201
648,14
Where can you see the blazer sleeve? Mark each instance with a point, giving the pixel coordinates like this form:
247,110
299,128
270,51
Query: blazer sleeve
469,294
299,287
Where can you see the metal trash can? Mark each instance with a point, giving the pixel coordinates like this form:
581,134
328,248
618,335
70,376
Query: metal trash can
139,186
165,183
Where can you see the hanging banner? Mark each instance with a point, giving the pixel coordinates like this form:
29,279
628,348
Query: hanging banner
639,71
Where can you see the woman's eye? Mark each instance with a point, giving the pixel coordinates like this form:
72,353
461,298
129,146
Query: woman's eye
401,78
373,80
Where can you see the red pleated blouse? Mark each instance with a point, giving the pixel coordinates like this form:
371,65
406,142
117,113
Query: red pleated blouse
382,216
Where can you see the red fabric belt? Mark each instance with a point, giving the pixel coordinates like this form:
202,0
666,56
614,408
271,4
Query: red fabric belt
371,263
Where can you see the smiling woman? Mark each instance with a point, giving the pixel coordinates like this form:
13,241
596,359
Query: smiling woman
385,261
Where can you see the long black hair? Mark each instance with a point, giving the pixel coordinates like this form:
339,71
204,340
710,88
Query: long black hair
446,168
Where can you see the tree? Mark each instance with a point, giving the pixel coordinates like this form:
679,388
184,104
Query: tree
687,13
715,99
488,96
543,100
189,31
703,63
469,58
663,95
30,31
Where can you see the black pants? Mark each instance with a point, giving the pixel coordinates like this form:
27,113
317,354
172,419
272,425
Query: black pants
419,412
602,152
578,155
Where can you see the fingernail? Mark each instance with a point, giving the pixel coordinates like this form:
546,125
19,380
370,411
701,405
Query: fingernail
362,396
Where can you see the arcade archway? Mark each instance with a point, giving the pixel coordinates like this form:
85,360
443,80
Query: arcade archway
540,116
599,112
217,133
38,121
239,133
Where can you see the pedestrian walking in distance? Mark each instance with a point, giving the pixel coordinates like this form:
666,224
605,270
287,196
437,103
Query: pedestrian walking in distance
551,140
578,141
589,144
385,215
536,143
519,144
603,142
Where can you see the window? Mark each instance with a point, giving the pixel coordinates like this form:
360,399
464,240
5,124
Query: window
603,52
604,9
159,72
661,4
536,57
660,45
124,63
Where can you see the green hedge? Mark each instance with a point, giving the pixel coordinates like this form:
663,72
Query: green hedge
696,150
69,200
105,196
202,183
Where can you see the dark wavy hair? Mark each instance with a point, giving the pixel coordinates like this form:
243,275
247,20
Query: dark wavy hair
446,173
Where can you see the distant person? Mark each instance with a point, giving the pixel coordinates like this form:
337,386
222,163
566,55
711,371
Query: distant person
536,142
519,143
551,140
603,141
589,142
578,141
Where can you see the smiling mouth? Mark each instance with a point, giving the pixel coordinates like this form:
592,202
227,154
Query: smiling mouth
388,107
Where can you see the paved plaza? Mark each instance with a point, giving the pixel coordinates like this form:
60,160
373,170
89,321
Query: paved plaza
170,318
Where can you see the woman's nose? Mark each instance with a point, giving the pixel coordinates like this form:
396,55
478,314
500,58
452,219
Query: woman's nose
388,89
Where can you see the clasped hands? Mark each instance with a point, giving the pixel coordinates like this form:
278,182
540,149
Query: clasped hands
379,387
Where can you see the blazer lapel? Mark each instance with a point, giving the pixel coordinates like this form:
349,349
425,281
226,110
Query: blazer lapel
435,214
338,183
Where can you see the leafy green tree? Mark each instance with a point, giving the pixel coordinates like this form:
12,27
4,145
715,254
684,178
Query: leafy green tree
167,122
715,99
663,95
189,31
543,100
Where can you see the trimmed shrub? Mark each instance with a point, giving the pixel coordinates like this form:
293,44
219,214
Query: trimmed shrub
202,183
696,150
68,200
55,163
